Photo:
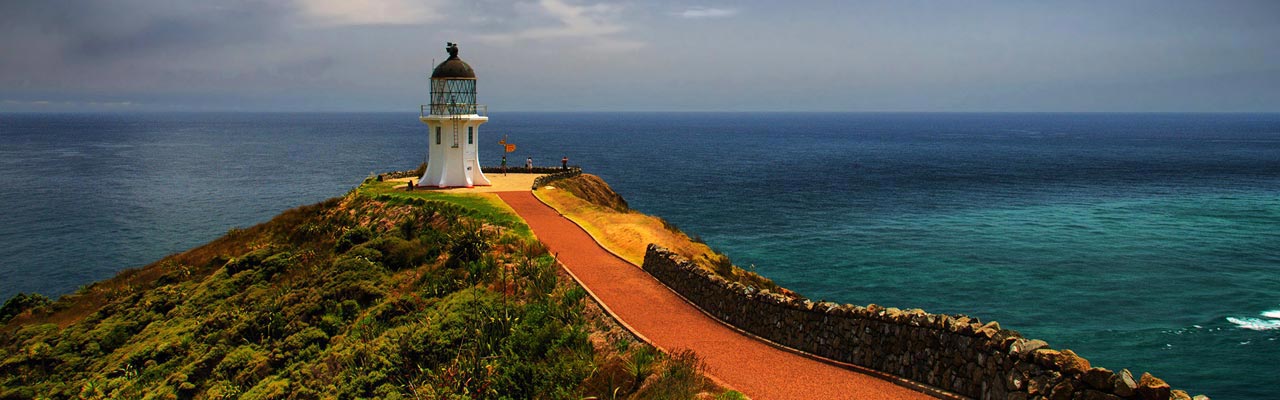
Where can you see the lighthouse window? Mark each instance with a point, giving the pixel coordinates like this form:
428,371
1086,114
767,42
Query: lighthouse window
470,135
437,135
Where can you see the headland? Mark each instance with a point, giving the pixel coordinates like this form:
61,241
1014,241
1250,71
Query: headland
387,292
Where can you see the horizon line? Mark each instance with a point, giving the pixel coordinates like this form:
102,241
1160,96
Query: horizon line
230,111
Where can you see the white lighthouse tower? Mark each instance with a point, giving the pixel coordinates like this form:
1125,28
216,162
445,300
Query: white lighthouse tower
453,123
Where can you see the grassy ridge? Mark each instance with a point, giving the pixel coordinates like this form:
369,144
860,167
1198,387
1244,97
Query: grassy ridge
378,294
591,203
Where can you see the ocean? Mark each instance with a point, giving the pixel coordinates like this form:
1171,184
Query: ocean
1141,241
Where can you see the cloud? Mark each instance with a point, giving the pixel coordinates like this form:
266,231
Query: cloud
73,31
596,24
706,12
328,13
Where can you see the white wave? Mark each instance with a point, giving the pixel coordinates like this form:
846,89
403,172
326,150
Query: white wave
1256,324
1271,314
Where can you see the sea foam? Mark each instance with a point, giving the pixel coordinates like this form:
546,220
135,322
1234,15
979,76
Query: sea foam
1271,322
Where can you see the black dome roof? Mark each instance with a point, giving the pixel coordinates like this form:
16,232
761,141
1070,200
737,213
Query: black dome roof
454,67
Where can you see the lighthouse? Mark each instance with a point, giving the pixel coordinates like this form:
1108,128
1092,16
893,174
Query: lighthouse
453,124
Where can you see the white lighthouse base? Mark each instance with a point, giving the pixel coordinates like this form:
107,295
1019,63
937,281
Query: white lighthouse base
453,159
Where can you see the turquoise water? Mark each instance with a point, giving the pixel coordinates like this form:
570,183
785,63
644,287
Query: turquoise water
1142,241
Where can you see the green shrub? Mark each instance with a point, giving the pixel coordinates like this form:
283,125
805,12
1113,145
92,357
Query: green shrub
722,266
682,378
276,264
248,261
365,252
305,338
640,365
20,303
353,237
271,388
469,242
244,365
223,390
400,254
379,316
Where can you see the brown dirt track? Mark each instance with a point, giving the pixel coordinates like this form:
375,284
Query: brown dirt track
755,368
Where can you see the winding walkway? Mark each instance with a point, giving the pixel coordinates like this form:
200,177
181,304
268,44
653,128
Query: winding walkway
757,369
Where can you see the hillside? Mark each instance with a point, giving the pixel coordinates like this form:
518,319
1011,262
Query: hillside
377,294
592,204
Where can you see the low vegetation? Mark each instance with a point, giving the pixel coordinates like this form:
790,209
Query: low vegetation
377,294
590,202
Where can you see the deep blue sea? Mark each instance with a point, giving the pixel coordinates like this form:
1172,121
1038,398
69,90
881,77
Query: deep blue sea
1142,241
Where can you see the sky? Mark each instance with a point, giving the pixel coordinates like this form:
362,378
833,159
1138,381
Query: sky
571,55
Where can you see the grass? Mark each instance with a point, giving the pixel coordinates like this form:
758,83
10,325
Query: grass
485,206
370,295
377,294
628,233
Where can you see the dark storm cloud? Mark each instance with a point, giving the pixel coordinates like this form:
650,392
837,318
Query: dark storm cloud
869,55
88,31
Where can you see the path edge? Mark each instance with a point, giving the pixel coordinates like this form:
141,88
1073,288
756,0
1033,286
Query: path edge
594,297
894,379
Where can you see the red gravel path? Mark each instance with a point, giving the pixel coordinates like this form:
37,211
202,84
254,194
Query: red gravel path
752,367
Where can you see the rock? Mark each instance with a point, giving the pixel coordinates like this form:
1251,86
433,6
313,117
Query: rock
1124,385
990,329
1179,395
945,322
1045,357
1096,395
1039,385
1098,378
1066,361
1023,347
1016,396
1007,338
993,325
1200,397
1072,363
1015,380
1062,391
1152,388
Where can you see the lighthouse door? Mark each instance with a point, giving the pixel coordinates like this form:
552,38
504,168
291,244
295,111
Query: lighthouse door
469,151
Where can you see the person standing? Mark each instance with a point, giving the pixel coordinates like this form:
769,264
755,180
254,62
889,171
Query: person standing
564,162
504,165
528,163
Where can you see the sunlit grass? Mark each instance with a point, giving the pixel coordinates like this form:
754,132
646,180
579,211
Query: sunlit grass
629,233
485,206
381,293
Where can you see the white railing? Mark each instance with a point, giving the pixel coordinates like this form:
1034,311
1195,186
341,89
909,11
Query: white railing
453,109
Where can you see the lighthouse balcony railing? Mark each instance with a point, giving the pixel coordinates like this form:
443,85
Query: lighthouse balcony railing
453,109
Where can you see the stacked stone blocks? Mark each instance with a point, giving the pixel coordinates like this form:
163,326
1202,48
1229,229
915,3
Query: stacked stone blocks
955,353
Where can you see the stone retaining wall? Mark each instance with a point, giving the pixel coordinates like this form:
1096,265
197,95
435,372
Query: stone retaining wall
956,353
557,175
523,170
398,174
